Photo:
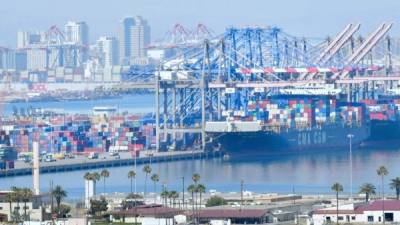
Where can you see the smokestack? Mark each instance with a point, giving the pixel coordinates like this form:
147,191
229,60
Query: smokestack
36,176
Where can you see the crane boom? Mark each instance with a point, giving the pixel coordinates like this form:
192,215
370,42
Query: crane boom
366,47
333,47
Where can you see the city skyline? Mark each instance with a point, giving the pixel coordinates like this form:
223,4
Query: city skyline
216,15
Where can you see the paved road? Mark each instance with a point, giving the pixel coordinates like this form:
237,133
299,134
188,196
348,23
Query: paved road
103,157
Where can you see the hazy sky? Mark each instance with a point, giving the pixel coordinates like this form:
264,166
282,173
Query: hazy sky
311,18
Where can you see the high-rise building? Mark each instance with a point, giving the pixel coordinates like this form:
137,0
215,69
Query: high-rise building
134,37
108,51
37,59
27,38
77,32
7,59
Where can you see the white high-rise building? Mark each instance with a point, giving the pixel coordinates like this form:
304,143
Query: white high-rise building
27,38
134,37
108,51
77,32
37,59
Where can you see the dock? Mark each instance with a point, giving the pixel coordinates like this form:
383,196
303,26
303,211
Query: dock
83,163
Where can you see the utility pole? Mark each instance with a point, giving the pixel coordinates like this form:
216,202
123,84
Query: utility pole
134,152
351,136
51,195
241,194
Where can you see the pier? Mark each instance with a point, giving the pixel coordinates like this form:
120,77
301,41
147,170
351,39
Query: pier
83,163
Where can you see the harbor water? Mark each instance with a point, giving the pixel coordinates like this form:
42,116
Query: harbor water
302,172
143,103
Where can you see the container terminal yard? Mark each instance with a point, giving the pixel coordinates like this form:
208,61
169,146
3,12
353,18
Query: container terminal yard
249,90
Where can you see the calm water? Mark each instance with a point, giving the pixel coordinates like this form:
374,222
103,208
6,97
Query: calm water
305,173
133,103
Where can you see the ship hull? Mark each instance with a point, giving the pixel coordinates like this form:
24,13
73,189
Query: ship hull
384,133
291,140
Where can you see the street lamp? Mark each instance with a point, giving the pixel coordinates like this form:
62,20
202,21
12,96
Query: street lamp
134,152
350,137
183,193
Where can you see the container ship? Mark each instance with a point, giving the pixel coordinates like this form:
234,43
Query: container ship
385,121
293,121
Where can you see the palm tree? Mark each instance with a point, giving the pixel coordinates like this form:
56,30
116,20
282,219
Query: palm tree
155,178
395,184
147,171
192,188
105,174
59,193
164,196
87,177
95,178
173,195
382,172
26,195
17,196
336,187
201,189
195,178
367,189
10,198
131,176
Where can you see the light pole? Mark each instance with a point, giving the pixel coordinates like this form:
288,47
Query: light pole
134,152
183,193
241,194
351,136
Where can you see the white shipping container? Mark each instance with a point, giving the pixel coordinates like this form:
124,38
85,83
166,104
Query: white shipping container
229,90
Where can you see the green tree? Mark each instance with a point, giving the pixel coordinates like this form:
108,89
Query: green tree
337,188
195,178
173,195
155,178
131,176
192,189
147,171
96,177
10,198
59,194
201,189
165,196
382,172
26,195
104,174
88,177
63,210
395,184
97,207
368,189
17,197
216,201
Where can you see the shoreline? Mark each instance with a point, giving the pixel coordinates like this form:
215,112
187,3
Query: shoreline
83,163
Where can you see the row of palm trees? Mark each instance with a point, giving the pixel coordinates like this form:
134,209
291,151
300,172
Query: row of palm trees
369,189
195,189
96,176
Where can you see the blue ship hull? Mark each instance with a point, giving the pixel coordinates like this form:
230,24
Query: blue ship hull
329,137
